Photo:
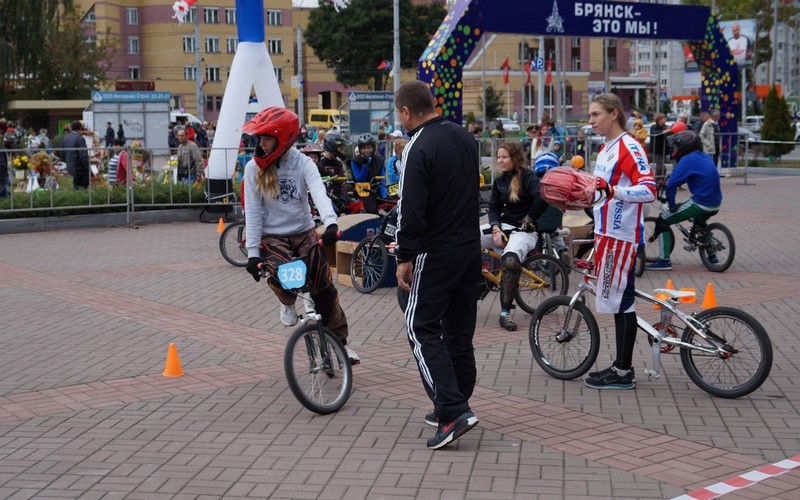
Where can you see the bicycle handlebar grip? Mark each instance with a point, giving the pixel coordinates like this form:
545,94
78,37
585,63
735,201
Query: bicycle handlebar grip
338,236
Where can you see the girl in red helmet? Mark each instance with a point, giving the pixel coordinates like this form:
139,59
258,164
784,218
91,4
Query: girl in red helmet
277,182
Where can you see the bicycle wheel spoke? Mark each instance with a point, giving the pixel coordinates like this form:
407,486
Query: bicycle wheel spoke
317,370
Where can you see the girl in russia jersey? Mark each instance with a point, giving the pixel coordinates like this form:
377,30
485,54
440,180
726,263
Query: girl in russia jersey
623,172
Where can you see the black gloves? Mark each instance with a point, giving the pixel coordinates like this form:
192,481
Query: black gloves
330,236
252,267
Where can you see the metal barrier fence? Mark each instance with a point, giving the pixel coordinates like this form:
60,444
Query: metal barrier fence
153,182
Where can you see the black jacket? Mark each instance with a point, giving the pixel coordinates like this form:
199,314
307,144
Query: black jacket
76,159
530,203
439,193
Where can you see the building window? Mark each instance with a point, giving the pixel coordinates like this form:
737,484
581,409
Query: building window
133,45
230,44
209,103
218,100
568,94
211,15
132,14
91,41
89,17
576,63
274,18
191,16
188,44
576,42
612,62
190,73
279,74
134,73
212,44
275,46
230,16
612,42
212,73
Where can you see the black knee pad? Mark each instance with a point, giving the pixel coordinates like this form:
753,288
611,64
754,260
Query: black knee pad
511,262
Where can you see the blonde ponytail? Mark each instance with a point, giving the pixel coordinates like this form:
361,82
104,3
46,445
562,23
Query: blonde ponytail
267,181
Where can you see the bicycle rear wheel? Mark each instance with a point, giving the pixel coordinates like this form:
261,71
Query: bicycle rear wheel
542,276
739,370
317,369
564,351
720,239
652,252
369,264
232,244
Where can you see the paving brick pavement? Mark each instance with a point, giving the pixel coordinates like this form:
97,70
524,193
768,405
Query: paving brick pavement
85,411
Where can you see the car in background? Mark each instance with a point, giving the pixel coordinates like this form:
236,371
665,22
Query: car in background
745,134
509,125
594,138
754,122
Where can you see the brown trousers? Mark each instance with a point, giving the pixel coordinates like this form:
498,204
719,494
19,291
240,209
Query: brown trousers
278,250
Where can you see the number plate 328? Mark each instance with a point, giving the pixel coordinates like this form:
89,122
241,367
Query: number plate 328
292,274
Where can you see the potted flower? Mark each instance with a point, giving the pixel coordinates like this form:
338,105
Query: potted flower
43,166
21,164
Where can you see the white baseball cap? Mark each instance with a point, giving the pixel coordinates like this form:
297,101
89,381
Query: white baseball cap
397,134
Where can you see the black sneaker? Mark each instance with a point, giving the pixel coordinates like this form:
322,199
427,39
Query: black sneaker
609,379
610,369
449,432
508,323
432,419
713,260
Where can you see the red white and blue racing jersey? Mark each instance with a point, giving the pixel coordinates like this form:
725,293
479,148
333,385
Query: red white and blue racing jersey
623,163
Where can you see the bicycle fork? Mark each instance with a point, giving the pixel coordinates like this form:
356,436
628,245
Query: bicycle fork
657,335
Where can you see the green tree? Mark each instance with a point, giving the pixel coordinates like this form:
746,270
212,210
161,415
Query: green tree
494,104
43,52
777,124
356,39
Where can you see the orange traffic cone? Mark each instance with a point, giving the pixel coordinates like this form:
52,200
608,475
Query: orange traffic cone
221,225
709,300
670,285
173,366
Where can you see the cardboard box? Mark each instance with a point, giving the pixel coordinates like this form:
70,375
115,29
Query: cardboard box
344,255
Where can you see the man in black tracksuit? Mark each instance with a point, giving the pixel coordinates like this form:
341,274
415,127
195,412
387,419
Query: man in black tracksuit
438,236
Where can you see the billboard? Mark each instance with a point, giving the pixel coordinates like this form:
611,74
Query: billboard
741,37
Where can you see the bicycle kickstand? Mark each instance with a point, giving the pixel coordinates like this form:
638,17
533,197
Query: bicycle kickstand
655,371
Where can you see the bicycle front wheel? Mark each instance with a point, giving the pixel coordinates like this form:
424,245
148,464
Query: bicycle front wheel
369,264
564,350
542,276
317,369
652,252
232,244
743,365
720,239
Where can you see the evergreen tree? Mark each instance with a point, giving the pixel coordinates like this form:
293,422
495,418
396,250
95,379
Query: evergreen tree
494,103
777,124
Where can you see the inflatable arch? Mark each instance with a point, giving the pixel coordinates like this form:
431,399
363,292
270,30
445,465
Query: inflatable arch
441,65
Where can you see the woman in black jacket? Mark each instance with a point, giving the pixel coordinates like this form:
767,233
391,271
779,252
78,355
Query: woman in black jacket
515,207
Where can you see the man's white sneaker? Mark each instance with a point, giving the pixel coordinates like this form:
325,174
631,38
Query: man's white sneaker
351,354
288,315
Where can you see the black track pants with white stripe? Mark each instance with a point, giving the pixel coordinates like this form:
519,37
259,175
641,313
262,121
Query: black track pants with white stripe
441,316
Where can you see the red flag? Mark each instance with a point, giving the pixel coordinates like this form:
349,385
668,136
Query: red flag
505,67
528,72
549,79
382,64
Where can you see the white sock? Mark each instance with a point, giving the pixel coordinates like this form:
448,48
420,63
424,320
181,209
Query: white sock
620,372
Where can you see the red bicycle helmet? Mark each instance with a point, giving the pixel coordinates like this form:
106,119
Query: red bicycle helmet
276,122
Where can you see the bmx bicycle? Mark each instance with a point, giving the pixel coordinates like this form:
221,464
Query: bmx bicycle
724,351
318,369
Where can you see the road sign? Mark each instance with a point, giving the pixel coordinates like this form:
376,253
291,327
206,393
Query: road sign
663,97
538,64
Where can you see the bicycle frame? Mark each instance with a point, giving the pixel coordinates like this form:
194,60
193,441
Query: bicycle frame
497,277
669,310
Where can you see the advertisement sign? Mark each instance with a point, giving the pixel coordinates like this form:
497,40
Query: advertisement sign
598,19
741,37
368,110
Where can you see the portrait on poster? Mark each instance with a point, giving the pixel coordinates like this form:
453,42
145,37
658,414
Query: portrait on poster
741,37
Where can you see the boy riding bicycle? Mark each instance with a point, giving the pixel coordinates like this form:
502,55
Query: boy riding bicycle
697,170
